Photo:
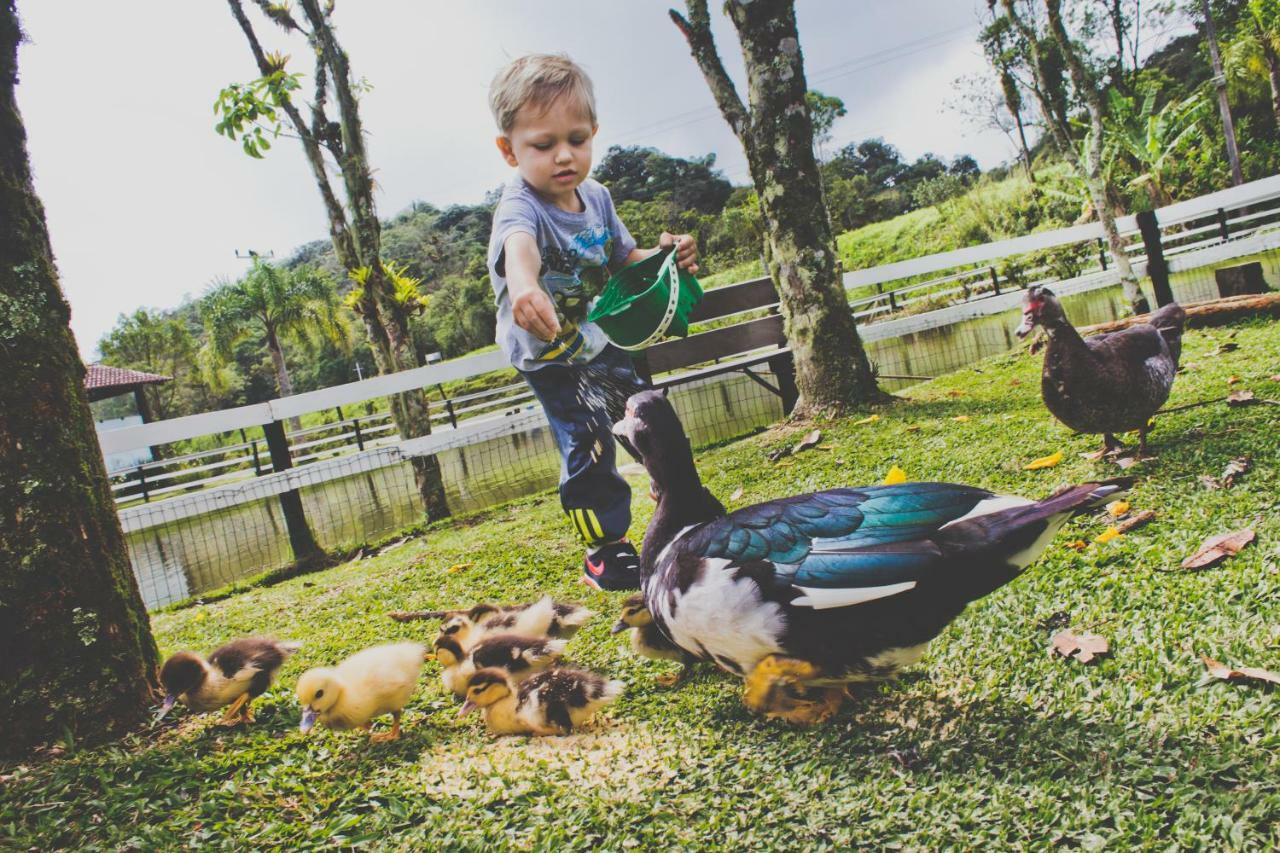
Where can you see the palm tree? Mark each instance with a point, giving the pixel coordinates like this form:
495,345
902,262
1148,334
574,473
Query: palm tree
273,302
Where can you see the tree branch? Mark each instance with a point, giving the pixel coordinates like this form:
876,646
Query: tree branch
697,32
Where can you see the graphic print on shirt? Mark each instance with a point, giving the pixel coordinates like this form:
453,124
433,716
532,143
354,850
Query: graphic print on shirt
573,276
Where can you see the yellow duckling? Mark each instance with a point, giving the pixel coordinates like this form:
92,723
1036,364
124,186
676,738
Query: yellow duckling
370,683
520,656
551,702
647,640
542,618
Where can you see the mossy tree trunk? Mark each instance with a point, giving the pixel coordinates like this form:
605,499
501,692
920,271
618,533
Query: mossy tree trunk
1089,165
354,229
776,131
78,655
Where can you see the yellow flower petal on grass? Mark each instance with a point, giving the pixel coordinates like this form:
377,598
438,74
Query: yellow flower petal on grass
961,418
895,476
1043,462
457,567
869,419
1117,508
1107,535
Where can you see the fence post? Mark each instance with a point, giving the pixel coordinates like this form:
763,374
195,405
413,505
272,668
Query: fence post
448,407
1157,267
640,362
301,539
253,448
1102,254
893,303
995,280
142,484
355,423
784,368
1224,230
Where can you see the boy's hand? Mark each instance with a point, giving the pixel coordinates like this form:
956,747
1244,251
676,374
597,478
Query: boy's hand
686,249
531,307
533,311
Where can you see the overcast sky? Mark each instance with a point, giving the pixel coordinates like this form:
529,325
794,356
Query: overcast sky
146,204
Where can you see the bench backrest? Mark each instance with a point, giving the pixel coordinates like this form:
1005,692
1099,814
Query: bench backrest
725,342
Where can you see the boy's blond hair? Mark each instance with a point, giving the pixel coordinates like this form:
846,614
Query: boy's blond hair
539,79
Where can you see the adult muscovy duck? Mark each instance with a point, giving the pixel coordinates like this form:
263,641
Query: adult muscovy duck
803,595
1108,383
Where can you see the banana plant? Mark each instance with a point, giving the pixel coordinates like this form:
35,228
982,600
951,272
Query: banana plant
1150,139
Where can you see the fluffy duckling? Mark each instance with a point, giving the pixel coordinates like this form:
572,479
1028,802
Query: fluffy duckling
551,702
232,677
518,655
368,684
647,639
542,618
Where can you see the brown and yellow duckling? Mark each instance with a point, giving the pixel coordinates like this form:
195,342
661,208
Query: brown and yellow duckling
551,702
232,677
541,618
518,655
647,640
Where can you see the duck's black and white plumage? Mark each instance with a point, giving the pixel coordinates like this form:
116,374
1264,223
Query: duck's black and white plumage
519,655
233,675
852,582
551,702
1108,383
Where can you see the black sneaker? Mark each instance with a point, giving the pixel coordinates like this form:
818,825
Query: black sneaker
612,567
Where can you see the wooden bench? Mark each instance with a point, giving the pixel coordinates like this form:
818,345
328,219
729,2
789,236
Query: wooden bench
736,348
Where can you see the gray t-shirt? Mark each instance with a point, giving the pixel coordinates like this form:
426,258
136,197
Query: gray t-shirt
578,251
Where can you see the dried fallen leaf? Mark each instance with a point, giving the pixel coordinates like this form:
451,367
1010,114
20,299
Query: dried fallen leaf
1134,522
1083,647
1107,535
810,440
1245,673
896,475
1117,508
955,392
1127,462
961,418
1233,380
869,419
1275,378
737,494
1218,548
459,567
1015,382
1240,398
1078,545
1043,462
1235,469
913,428
775,455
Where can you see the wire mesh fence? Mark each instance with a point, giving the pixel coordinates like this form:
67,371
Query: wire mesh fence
210,518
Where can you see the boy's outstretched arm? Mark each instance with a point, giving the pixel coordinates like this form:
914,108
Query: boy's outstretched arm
686,250
531,307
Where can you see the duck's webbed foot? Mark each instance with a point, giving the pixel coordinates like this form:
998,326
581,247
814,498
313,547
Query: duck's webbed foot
394,734
671,679
234,714
1112,446
775,688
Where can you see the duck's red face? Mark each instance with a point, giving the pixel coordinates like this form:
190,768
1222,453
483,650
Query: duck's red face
1033,305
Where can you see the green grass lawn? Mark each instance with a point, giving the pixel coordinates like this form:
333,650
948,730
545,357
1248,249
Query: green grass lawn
990,740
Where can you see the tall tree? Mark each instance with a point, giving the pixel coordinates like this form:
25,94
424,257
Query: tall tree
156,343
1224,104
775,129
823,112
1265,17
354,227
995,38
1088,89
78,655
273,302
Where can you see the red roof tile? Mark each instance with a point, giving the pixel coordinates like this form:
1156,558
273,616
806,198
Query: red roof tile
100,376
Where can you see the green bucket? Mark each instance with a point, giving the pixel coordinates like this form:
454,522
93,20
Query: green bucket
647,301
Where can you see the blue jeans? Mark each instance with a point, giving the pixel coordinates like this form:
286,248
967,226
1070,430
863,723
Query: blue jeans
582,402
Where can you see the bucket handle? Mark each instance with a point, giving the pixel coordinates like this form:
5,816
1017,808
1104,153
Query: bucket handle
673,288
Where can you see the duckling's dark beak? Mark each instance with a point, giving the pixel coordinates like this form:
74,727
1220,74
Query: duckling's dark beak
467,707
619,627
169,702
308,720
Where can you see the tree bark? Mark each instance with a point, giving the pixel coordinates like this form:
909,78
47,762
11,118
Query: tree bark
78,659
283,383
832,370
356,241
1224,105
1088,168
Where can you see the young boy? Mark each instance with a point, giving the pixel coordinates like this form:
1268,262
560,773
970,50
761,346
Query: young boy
556,238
